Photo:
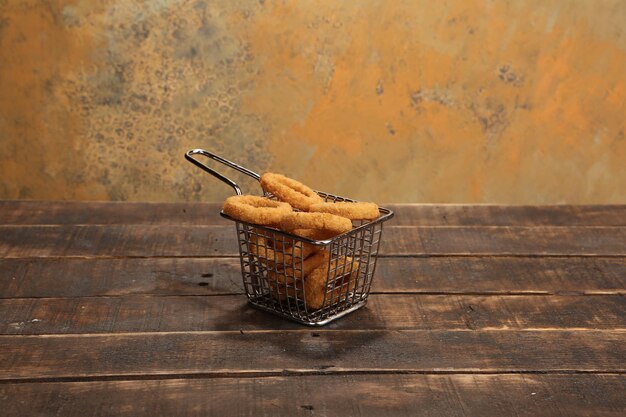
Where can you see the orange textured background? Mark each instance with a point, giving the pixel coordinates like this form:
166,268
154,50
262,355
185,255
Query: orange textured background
519,101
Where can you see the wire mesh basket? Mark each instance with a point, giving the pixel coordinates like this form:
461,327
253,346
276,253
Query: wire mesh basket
309,281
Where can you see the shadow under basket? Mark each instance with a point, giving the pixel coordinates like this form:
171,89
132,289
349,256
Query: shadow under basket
309,281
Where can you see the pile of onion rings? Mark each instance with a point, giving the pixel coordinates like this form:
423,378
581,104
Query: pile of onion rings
294,268
315,219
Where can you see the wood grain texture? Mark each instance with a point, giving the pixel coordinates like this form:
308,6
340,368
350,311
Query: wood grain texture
116,241
198,313
502,275
461,240
26,212
273,352
133,309
369,395
208,241
49,277
497,215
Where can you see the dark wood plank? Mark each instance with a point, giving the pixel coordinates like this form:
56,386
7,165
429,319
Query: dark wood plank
498,215
116,241
206,241
74,212
197,313
501,275
25,212
345,395
240,353
402,241
49,277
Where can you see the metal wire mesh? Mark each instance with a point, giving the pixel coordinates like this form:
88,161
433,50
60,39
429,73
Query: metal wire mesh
312,282
309,281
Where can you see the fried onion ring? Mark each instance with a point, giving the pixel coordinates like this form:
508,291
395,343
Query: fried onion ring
319,221
353,211
256,210
289,190
289,281
274,257
317,289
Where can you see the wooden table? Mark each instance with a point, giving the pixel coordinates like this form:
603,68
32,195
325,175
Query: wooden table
137,309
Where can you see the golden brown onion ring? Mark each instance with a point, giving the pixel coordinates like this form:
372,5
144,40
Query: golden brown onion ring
289,190
279,257
352,211
256,210
316,290
326,222
283,282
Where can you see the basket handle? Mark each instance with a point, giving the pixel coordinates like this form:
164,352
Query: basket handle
190,158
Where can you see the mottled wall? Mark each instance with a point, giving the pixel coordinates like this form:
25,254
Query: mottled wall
519,101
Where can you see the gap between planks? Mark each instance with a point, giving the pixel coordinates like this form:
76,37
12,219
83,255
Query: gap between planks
386,226
406,256
619,293
304,331
296,373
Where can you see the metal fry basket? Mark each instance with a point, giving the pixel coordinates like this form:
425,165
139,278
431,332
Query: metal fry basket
275,265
